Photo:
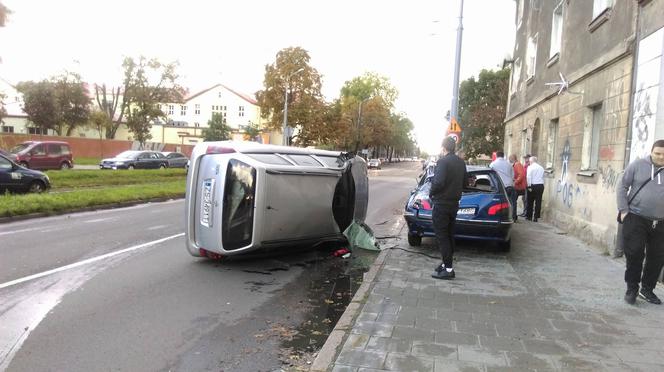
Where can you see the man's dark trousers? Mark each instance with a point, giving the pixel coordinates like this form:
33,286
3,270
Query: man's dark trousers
641,240
535,201
444,218
511,195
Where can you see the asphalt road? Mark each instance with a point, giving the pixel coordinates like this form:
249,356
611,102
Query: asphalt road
116,290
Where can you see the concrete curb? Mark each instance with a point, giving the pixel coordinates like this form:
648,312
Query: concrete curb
327,354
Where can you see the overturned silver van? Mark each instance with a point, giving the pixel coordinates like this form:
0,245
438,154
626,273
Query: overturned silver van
245,196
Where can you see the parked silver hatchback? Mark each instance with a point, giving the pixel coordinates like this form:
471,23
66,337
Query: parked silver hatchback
244,196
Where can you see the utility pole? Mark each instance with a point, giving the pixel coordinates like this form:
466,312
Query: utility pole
457,64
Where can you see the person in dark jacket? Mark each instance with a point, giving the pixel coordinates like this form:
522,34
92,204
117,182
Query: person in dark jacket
643,223
446,188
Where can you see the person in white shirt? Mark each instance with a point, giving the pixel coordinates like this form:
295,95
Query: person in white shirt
535,177
506,173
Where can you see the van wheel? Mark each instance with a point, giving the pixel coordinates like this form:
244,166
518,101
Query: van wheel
162,166
505,246
414,240
65,166
36,186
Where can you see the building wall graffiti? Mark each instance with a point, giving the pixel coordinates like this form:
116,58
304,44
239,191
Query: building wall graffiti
609,177
646,95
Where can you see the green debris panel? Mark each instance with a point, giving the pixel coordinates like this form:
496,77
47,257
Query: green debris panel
360,235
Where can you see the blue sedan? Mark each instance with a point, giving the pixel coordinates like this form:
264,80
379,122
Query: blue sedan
484,209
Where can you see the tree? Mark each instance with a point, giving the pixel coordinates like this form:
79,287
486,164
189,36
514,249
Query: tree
217,129
291,73
482,105
252,131
371,85
3,112
3,14
100,121
73,102
108,101
40,103
148,83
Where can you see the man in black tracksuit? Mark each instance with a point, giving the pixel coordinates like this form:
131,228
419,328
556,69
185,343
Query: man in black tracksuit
643,219
446,188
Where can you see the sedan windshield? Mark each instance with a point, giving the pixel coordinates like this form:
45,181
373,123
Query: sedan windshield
128,154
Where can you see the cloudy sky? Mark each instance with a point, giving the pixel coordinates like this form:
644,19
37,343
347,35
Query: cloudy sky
410,42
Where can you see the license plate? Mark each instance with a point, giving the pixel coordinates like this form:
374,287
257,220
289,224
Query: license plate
206,202
466,211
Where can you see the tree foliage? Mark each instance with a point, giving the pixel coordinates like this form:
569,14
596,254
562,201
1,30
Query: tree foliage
109,100
482,105
217,129
60,104
252,131
290,74
3,111
4,11
148,82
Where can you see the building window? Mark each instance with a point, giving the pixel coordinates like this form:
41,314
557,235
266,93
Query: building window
556,30
531,56
34,130
219,95
224,114
551,141
171,109
7,129
183,110
241,111
516,75
224,108
599,6
524,141
224,121
197,109
591,130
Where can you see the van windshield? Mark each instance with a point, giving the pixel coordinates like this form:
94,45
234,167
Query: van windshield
19,148
238,210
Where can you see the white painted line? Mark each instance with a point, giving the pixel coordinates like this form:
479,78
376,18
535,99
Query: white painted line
157,227
88,261
99,220
17,231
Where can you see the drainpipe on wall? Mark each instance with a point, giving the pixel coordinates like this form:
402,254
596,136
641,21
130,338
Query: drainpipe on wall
619,251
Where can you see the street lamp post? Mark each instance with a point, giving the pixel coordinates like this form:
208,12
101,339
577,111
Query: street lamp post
285,128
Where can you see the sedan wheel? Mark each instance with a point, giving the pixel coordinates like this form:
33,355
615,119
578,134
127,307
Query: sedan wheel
36,186
131,167
414,240
162,166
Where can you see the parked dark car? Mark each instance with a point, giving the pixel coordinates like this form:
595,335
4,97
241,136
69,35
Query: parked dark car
15,178
44,155
135,160
176,159
8,154
484,209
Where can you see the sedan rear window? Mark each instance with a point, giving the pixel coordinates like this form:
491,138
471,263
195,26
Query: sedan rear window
238,208
480,182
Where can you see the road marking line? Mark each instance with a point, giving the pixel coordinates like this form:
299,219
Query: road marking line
99,220
85,262
157,227
17,231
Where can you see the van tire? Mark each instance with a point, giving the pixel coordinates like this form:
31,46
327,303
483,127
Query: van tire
64,166
162,166
414,240
37,187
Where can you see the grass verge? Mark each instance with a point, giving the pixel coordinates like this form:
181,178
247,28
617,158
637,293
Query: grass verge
92,178
54,203
86,161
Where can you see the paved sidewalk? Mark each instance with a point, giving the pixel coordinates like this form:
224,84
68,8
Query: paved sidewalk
551,304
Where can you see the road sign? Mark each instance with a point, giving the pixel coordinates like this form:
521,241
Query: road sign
454,126
455,136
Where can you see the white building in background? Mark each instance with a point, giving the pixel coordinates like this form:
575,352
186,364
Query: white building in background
186,120
16,120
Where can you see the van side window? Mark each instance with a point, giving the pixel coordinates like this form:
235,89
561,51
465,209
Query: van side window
38,150
331,161
54,149
64,150
269,159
